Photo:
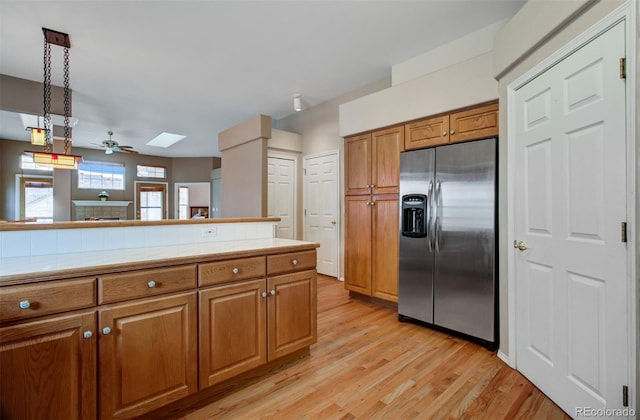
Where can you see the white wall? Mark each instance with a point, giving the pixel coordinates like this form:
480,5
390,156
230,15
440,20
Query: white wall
319,126
455,75
477,43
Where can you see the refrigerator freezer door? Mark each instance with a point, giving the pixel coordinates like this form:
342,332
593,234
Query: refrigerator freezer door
464,286
415,285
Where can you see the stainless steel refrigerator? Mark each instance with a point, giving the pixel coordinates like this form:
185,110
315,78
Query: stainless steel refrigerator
448,219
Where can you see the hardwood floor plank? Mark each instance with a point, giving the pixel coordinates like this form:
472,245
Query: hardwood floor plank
367,365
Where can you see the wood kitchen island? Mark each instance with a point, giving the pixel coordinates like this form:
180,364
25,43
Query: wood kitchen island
119,332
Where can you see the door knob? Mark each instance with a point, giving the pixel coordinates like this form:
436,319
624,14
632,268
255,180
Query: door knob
520,245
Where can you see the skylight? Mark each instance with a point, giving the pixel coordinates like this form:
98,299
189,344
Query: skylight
165,140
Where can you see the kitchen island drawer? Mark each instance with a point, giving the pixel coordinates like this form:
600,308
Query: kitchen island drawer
26,301
231,270
143,283
290,262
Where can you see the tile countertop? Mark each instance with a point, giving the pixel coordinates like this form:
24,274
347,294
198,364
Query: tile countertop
43,267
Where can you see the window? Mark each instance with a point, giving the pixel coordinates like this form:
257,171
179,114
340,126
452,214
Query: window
101,175
26,162
150,171
183,202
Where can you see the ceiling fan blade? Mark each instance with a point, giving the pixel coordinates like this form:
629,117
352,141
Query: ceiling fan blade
120,149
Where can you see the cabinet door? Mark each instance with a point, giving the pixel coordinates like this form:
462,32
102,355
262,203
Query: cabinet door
148,354
232,330
292,313
357,244
385,160
357,158
428,132
475,123
384,262
48,369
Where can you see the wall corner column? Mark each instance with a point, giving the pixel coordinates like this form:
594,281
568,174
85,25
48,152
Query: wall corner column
244,168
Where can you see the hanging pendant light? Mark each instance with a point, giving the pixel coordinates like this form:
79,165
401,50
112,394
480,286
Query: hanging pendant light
44,136
38,135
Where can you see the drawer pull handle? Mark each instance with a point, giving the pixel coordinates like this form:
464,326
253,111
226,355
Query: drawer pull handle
452,132
444,133
87,334
106,331
235,270
264,294
273,292
151,284
25,304
294,262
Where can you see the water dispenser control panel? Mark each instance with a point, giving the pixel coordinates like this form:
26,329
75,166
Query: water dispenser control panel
414,215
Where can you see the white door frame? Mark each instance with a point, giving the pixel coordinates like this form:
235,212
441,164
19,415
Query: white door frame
176,195
135,197
338,210
296,208
626,12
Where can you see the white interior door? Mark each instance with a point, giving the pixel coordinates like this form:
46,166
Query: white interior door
281,195
321,209
570,200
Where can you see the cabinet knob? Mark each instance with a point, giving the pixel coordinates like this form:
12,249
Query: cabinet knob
151,284
294,262
235,270
444,133
264,294
25,304
451,132
87,334
273,292
106,331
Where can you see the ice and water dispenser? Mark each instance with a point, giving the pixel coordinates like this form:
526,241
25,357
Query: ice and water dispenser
414,215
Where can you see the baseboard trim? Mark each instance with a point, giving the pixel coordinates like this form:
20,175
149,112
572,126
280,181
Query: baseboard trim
506,359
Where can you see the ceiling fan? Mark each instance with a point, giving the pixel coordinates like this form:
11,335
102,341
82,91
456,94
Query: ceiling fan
111,146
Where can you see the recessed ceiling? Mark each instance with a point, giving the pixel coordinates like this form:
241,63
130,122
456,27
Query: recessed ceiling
140,68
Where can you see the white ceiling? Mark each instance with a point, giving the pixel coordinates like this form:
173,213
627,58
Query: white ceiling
196,68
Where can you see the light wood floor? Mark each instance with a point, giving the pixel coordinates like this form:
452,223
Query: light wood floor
368,365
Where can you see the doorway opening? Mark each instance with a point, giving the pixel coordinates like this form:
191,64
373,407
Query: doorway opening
151,200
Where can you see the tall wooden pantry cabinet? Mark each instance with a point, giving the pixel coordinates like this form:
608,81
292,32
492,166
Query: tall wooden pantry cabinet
372,167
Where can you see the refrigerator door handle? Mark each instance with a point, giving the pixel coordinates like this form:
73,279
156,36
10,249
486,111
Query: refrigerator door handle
429,215
436,225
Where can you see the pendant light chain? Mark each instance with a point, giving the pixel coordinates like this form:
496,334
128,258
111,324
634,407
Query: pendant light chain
47,97
67,129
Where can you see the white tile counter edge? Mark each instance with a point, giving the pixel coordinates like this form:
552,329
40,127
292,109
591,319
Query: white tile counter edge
44,263
29,243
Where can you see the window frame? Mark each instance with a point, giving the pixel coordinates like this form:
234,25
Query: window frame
102,174
163,168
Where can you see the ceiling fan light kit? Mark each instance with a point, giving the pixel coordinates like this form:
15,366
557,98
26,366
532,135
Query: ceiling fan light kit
111,146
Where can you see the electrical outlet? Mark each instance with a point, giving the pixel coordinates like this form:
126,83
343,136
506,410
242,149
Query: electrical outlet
209,232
